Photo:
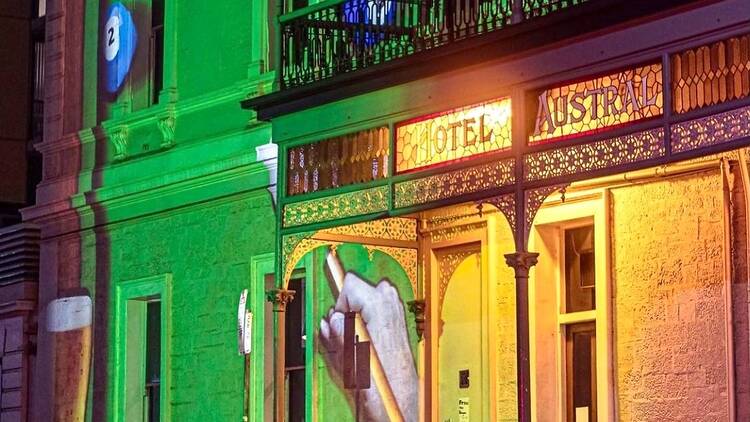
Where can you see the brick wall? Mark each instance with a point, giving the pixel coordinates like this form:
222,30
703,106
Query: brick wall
670,358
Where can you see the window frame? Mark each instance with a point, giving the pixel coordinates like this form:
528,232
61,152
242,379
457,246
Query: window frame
579,209
142,289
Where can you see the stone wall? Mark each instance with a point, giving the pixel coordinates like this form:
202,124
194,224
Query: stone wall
668,306
207,248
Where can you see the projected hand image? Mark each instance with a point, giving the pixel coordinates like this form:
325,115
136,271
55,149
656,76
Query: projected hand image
393,394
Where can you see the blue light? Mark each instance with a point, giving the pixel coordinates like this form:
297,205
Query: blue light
119,40
370,12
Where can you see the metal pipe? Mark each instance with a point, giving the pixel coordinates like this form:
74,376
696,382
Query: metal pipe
729,317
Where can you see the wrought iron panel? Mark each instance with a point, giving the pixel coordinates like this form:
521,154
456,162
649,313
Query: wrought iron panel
712,130
366,201
356,34
454,183
596,155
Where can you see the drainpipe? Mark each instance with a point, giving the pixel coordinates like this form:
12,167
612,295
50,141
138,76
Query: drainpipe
729,317
745,174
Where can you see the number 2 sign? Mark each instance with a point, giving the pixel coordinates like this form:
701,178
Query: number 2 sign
119,42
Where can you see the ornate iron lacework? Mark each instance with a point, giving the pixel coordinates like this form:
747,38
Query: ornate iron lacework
299,250
597,155
333,38
397,228
711,130
344,160
507,205
454,183
448,264
533,8
533,201
406,258
366,201
711,74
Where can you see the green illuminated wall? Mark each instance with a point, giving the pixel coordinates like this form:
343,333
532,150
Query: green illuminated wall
188,198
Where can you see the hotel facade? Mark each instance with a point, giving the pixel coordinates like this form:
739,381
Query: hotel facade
470,211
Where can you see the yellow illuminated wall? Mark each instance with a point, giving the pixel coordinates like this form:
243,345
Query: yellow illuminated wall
596,104
451,136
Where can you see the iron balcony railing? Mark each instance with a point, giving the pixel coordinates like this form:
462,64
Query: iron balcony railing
340,36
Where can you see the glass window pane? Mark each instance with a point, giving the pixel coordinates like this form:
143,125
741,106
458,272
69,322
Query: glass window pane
580,341
580,291
153,358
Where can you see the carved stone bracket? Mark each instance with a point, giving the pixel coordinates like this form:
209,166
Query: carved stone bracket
279,298
417,307
119,138
166,127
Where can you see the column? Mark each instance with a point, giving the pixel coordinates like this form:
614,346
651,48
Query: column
279,298
521,262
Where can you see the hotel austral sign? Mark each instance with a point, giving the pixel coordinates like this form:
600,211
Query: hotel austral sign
453,136
597,104
561,112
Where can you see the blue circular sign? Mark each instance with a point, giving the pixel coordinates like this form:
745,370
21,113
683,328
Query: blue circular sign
120,39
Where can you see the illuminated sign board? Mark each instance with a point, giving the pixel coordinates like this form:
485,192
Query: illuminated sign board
119,41
598,104
452,136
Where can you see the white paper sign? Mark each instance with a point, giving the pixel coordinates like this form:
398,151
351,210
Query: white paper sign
241,322
247,339
463,409
582,414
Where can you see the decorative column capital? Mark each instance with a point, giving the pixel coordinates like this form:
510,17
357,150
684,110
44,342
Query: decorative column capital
279,298
417,307
521,262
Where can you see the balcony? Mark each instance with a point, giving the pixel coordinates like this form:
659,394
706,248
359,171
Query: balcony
341,36
341,48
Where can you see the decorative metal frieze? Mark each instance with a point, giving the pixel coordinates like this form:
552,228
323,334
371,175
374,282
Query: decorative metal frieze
454,183
569,110
711,74
396,228
447,264
358,157
289,252
439,139
406,257
366,201
449,233
533,200
506,204
712,130
300,249
597,155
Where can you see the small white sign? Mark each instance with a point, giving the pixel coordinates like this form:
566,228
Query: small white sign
463,409
241,321
247,339
582,414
